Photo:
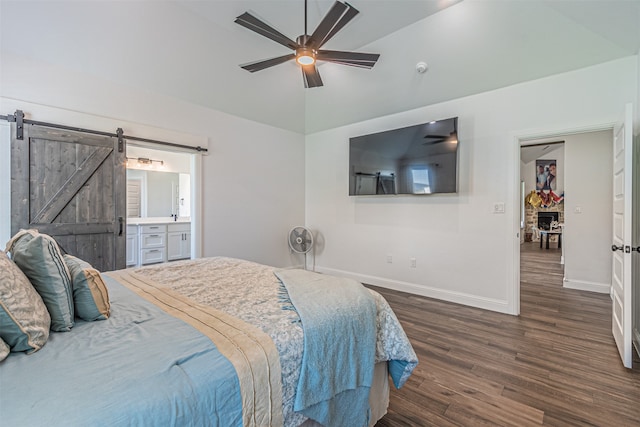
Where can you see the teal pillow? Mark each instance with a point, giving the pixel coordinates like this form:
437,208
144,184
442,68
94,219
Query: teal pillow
39,257
24,319
90,295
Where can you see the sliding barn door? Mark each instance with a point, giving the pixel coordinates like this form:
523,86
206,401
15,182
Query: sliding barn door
72,186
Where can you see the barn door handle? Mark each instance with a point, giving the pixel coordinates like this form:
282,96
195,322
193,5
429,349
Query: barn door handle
121,221
617,248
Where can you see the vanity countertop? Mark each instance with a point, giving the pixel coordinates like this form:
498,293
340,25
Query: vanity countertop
157,220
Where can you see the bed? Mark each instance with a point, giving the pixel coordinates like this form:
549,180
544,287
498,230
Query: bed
215,341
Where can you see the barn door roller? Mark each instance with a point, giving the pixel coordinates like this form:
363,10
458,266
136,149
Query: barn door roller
18,119
120,134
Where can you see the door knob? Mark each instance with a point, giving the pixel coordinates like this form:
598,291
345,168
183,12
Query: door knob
636,249
617,248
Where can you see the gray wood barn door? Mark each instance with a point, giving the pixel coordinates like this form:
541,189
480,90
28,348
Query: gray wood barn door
72,186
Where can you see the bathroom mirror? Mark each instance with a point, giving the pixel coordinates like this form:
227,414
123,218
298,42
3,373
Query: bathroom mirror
157,194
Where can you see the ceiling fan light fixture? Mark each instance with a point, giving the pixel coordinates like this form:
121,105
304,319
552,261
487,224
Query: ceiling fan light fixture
305,56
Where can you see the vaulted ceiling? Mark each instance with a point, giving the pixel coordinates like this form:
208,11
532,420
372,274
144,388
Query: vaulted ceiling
191,50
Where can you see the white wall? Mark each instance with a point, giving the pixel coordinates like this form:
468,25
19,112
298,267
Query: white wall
464,252
589,190
254,181
252,178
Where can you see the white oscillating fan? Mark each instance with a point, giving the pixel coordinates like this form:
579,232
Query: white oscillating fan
301,241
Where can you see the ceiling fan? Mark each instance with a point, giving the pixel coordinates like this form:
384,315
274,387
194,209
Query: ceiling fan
307,47
436,139
442,133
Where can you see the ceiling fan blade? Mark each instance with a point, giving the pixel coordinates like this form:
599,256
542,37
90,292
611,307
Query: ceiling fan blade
321,35
254,24
437,139
311,76
349,14
261,65
354,59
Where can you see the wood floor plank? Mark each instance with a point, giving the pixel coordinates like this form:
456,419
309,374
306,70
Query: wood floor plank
554,365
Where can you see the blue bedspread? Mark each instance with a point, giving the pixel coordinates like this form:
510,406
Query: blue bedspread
339,321
139,367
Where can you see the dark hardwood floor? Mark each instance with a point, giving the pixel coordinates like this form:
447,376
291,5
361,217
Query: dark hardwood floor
555,365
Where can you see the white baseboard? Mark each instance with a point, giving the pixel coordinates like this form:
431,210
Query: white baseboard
427,291
583,285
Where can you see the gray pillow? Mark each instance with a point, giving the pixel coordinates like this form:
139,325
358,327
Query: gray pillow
90,295
24,319
40,259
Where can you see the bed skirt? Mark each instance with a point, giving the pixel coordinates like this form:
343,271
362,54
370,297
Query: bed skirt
378,397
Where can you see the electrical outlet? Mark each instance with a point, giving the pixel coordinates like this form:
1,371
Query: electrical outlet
577,209
413,262
498,208
389,259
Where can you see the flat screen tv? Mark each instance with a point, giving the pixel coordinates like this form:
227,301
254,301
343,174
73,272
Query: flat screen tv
419,159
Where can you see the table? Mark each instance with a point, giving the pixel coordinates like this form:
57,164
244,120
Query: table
551,232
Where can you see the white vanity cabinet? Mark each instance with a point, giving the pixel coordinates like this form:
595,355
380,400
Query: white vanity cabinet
153,243
178,241
132,245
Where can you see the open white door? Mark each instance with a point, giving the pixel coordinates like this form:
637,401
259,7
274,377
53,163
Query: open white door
621,280
635,268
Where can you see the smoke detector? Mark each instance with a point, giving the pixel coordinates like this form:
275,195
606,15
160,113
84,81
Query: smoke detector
421,67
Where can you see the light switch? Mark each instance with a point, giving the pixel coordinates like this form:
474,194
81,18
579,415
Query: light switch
498,208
